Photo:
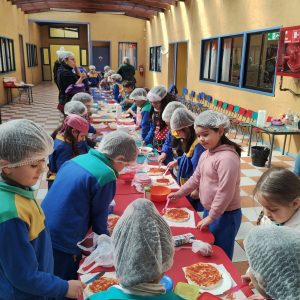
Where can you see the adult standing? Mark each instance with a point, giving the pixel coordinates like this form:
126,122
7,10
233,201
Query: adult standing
126,70
69,79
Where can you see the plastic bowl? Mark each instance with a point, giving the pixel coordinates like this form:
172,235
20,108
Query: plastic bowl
159,193
127,176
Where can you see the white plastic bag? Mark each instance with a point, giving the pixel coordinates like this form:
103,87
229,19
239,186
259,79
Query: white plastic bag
203,248
101,256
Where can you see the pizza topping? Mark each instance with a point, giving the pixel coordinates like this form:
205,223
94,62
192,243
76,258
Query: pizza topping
203,274
156,170
111,222
102,284
177,214
162,180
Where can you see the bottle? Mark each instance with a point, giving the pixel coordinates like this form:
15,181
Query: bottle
261,119
147,191
118,111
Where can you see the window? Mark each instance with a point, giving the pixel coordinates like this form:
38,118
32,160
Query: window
129,50
260,61
155,59
7,55
209,59
83,57
231,57
31,55
64,32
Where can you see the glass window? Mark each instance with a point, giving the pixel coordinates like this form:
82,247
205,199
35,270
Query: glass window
231,56
209,59
129,50
83,57
158,59
7,59
31,55
64,32
152,59
260,61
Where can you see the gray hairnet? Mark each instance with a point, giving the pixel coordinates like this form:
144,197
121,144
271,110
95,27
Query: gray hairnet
64,54
119,143
143,245
169,110
138,94
274,257
117,77
110,72
23,142
75,107
181,118
82,97
106,68
157,93
212,119
60,53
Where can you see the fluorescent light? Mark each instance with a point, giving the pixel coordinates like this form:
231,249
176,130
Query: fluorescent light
111,12
66,9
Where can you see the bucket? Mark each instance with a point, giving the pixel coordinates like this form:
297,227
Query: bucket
259,155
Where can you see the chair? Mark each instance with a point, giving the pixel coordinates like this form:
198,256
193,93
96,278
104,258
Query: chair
224,107
192,95
241,116
258,131
220,105
215,104
184,91
208,100
173,89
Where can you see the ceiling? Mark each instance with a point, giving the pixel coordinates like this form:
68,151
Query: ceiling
144,9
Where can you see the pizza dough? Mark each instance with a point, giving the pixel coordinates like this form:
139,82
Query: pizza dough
163,181
156,171
112,222
102,284
177,215
204,275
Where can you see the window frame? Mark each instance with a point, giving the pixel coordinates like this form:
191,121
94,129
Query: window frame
242,70
155,68
8,55
121,58
63,27
32,59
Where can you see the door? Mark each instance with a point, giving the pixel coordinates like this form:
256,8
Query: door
46,65
101,57
22,58
181,66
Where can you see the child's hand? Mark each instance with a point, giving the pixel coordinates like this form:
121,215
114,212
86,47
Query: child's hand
172,164
173,196
75,289
205,222
162,157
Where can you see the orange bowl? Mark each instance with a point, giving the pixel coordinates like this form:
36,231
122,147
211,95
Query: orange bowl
159,193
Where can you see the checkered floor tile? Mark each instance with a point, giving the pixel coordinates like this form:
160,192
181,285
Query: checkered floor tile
43,111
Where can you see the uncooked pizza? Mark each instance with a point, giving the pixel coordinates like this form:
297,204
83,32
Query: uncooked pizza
111,222
156,171
205,275
163,181
176,215
102,284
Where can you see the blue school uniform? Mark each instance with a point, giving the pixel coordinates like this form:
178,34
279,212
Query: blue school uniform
78,199
117,87
187,163
145,121
93,79
26,258
62,153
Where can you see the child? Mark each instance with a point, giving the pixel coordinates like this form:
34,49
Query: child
127,101
139,96
69,143
159,134
182,125
80,197
93,77
117,87
274,258
218,178
26,259
278,191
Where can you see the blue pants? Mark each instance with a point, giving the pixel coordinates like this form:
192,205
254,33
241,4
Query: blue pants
225,229
297,165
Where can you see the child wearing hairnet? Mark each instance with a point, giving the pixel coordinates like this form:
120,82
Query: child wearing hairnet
139,96
117,87
159,134
125,100
69,142
218,178
274,258
182,127
93,77
26,258
143,252
80,197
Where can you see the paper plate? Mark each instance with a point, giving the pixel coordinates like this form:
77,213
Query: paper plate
145,150
225,285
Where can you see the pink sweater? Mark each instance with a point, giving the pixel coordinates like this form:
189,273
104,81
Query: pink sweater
218,178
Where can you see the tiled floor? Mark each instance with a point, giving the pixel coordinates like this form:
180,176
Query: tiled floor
44,112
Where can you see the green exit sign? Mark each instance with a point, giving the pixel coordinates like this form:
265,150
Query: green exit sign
273,36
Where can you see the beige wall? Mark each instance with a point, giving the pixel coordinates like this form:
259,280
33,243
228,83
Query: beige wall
194,20
12,23
106,27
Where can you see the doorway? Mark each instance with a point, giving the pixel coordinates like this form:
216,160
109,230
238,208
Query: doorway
22,58
101,54
177,67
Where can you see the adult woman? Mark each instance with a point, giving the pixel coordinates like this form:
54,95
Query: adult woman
126,70
143,250
66,78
